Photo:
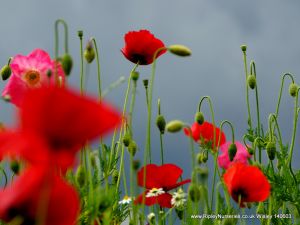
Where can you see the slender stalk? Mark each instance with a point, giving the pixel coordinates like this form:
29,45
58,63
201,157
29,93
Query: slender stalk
81,63
151,82
253,71
247,90
57,22
98,67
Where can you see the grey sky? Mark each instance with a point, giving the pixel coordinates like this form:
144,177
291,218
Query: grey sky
214,30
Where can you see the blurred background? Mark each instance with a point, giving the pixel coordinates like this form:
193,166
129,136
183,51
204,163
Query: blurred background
214,30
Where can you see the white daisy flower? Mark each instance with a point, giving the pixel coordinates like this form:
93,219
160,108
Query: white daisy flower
155,192
125,200
178,199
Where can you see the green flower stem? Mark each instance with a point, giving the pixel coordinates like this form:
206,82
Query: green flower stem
272,118
160,136
247,90
81,66
270,210
121,129
151,82
132,103
98,67
132,193
281,88
191,147
289,159
253,71
57,22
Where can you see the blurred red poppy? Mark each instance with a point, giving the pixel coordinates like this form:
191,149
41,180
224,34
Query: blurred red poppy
247,183
60,120
159,180
140,47
205,132
39,196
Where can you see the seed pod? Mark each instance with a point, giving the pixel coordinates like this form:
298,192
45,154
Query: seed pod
244,48
161,123
199,118
194,192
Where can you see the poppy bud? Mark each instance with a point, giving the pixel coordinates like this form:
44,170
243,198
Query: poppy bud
135,75
89,52
115,176
132,147
15,167
161,123
6,98
244,48
49,73
126,139
136,164
293,89
202,157
251,81
199,118
93,159
146,82
5,72
250,151
232,151
260,208
203,172
271,150
174,126
67,63
151,218
199,158
80,176
179,213
180,50
80,33
194,192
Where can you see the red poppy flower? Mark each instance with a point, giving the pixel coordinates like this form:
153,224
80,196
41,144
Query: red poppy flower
140,47
159,180
247,183
62,120
38,194
205,132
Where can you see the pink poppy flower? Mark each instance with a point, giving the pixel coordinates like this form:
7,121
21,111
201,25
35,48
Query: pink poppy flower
31,72
241,155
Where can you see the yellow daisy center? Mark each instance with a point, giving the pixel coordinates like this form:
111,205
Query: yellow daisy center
32,77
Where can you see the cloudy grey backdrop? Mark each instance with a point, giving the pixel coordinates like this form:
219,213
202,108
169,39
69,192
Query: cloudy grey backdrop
214,30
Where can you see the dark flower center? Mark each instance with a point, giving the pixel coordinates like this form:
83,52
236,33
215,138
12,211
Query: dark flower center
239,193
139,58
21,215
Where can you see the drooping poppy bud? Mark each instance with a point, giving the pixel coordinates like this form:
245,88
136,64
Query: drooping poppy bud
135,75
89,52
126,139
251,80
132,147
161,123
15,167
271,150
180,50
67,63
293,89
5,72
194,192
232,151
174,126
199,118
